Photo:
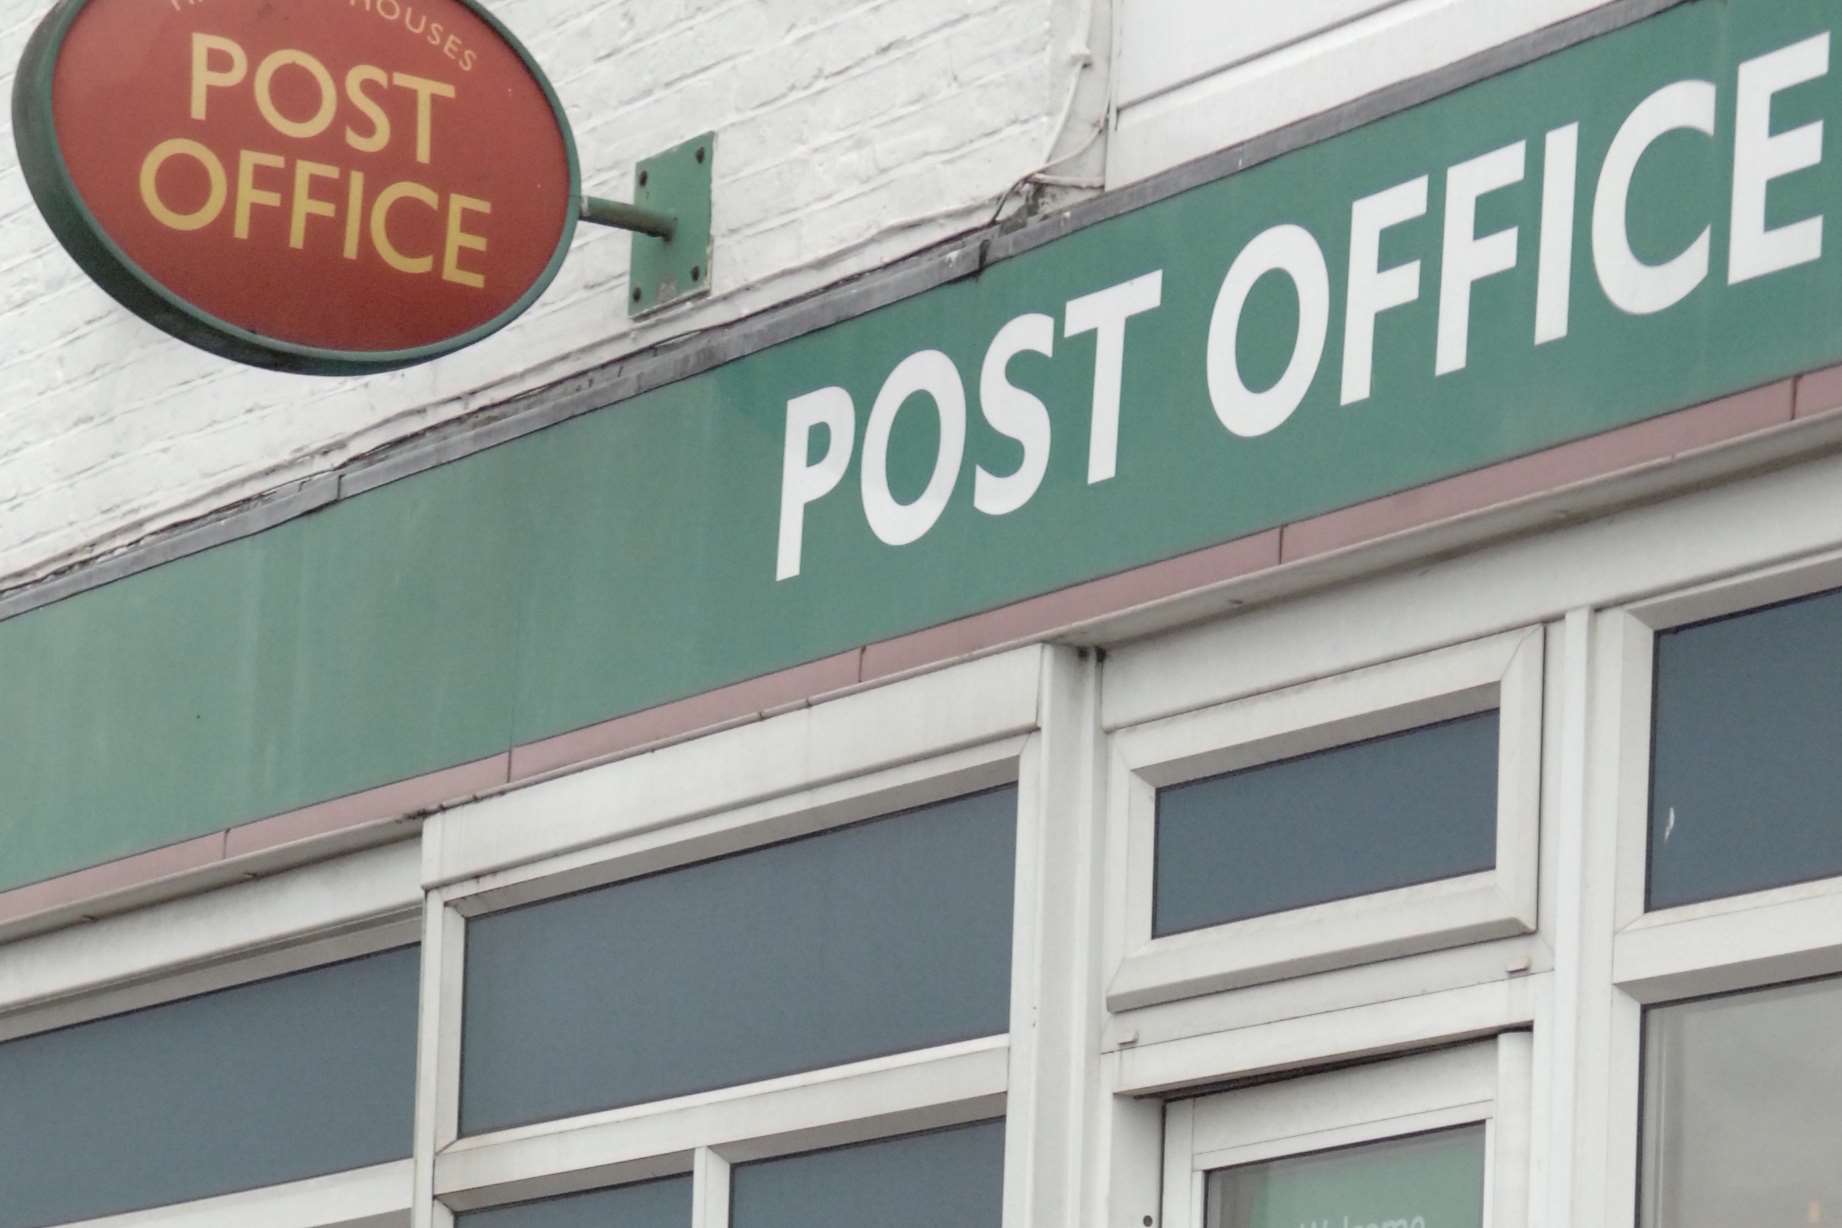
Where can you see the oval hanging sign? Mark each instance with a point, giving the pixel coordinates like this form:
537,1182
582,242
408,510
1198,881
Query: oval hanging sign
328,186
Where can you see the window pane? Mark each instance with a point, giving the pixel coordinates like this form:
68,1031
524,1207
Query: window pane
1741,1124
1427,1181
1748,729
653,1204
873,939
948,1179
266,1083
1391,812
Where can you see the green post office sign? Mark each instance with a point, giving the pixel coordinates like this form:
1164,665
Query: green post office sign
1638,223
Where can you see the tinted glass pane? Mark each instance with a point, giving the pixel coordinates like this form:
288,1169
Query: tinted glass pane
1748,732
948,1179
1391,812
654,1204
277,1081
872,939
1427,1181
1741,1116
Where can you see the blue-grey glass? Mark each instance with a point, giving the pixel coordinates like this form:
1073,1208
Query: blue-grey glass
266,1083
872,939
947,1179
1741,1117
651,1204
1746,739
1408,808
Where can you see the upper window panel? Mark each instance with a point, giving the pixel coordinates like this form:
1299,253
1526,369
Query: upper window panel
650,1204
948,1177
1747,733
877,938
1390,812
1740,1119
259,1085
1372,814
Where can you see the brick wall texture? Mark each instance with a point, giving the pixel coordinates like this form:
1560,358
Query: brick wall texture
850,132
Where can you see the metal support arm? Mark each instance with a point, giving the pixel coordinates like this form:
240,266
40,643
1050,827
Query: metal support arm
622,216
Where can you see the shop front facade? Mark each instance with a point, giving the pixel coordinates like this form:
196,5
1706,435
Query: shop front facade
1298,691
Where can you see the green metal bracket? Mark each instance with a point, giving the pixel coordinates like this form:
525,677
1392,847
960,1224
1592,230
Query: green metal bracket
670,221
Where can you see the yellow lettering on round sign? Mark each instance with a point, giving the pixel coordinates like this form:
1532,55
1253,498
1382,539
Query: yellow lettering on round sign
248,194
380,225
459,239
305,203
206,213
204,76
273,63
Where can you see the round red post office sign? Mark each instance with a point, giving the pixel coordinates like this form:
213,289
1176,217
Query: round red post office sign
328,186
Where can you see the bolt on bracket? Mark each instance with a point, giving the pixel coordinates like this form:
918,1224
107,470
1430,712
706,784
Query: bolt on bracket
670,221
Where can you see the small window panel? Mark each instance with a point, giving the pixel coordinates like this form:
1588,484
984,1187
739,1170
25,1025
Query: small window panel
881,937
1440,1138
1747,729
1395,811
1740,1120
270,1083
646,1204
1401,802
947,1177
1723,862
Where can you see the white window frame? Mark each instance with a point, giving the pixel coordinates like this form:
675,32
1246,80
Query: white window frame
1502,672
1486,1083
1735,943
870,753
359,904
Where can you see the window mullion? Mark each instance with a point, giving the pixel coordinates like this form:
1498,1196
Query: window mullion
1055,1005
709,1190
437,1054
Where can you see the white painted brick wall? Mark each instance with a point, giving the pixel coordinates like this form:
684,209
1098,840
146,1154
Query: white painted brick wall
851,132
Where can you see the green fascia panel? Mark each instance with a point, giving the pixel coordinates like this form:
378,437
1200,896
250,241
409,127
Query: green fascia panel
628,557
356,646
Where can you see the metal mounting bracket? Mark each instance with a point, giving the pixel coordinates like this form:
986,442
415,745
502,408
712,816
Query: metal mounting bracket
670,221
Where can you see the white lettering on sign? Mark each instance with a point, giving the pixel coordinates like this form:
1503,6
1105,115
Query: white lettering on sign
803,481
1469,257
1105,314
1292,251
932,375
1017,414
1559,188
1372,289
1635,287
1761,159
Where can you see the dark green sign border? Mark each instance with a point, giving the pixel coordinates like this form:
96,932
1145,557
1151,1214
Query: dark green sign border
70,219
